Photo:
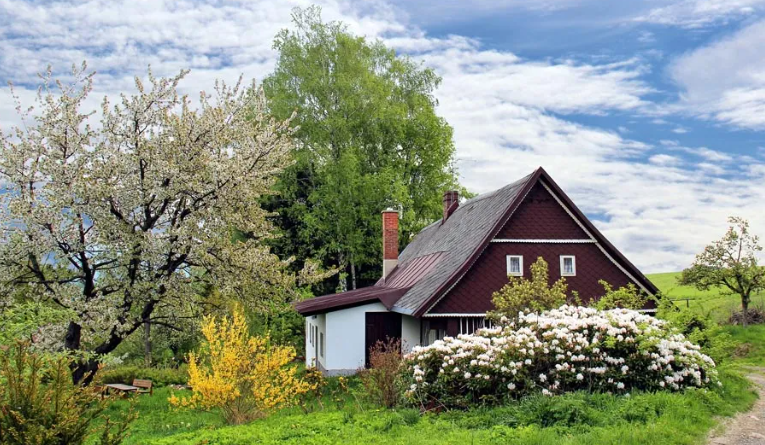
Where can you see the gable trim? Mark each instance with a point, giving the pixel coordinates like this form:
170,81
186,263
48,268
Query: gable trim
481,315
453,280
544,241
595,234
540,176
610,258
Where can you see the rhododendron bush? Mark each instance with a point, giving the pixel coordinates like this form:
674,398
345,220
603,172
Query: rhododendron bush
561,350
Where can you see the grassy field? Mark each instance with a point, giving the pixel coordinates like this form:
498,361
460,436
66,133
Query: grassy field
580,418
712,302
666,418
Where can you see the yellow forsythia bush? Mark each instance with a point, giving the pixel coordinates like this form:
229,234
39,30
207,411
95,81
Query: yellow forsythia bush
245,376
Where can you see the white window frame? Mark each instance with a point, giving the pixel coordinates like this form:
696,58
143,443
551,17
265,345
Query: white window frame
520,263
321,344
563,259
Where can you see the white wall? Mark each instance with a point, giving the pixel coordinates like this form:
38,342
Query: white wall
410,332
345,337
320,321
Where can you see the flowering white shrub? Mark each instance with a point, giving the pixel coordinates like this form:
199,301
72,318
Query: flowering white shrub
566,349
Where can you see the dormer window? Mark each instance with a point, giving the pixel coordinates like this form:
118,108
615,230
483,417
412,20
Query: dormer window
567,266
515,265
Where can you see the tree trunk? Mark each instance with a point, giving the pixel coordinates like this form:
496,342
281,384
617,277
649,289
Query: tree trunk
147,343
353,275
745,308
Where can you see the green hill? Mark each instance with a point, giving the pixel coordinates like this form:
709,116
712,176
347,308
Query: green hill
712,302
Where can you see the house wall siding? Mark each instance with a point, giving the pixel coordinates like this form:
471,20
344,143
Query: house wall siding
541,217
473,293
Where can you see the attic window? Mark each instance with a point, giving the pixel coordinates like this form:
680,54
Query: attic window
515,265
567,266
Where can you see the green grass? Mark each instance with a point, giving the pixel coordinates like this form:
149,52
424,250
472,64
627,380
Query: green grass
580,418
712,302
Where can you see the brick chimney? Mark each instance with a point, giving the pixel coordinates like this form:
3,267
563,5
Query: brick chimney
390,240
451,202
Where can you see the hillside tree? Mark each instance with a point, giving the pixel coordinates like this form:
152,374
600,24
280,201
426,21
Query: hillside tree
122,222
368,138
731,264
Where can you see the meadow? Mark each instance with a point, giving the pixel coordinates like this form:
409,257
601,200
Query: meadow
578,418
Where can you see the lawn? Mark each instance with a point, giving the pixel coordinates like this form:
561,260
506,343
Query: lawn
666,418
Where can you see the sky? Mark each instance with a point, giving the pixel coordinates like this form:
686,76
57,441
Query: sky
650,114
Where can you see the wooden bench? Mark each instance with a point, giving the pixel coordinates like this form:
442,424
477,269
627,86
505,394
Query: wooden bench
144,386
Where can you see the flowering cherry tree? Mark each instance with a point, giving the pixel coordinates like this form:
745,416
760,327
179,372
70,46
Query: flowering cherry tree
123,222
566,349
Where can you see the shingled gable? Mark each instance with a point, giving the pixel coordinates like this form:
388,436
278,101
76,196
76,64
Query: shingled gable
441,254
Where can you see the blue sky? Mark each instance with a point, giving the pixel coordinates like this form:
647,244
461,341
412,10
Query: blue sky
649,113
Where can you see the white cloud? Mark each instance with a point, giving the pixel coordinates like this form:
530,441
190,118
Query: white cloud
510,114
700,13
725,80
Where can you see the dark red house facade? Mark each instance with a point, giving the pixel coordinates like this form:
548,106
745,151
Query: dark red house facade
442,283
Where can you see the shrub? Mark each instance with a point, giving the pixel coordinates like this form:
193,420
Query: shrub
536,294
699,329
246,377
380,381
625,297
561,350
159,376
39,404
754,315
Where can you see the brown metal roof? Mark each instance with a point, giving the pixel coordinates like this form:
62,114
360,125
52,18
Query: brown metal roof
386,295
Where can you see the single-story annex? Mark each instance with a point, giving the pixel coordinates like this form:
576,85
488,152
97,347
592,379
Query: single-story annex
442,283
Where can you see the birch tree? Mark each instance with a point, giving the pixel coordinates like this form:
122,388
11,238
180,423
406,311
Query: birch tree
122,222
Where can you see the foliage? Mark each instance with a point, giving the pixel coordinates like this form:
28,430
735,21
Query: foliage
381,381
369,138
30,321
534,294
625,297
39,404
731,263
141,207
246,377
699,329
159,376
558,351
577,418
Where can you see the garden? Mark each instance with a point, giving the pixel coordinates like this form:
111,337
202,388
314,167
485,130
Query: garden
165,246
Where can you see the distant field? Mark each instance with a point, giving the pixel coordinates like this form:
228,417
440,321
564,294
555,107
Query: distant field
705,302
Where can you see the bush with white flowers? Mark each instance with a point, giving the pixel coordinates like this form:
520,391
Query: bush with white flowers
561,350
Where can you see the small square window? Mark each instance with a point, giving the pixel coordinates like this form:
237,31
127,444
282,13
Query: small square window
515,265
567,266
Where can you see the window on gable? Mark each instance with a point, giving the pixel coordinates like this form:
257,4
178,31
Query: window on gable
515,265
567,266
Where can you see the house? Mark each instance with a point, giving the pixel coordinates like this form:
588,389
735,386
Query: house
442,283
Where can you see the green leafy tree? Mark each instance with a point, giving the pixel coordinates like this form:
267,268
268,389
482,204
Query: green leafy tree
368,138
535,294
626,297
729,263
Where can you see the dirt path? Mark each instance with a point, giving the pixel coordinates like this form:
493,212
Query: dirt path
746,428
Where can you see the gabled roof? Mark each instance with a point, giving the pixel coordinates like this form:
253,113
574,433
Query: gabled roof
443,252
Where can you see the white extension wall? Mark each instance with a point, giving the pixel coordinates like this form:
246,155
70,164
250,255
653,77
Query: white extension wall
345,337
313,349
